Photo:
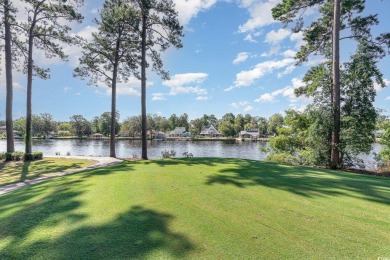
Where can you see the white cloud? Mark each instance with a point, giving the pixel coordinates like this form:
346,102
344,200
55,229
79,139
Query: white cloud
388,98
158,96
287,92
234,105
266,98
260,14
190,8
298,38
130,88
247,78
289,54
75,52
245,105
378,87
275,37
67,89
187,83
249,38
287,71
248,108
202,98
241,57
19,87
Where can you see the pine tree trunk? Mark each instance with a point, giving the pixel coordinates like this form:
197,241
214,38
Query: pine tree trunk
335,156
28,137
8,72
143,90
113,102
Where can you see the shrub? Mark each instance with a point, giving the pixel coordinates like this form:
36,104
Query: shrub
19,156
284,158
33,156
168,154
15,156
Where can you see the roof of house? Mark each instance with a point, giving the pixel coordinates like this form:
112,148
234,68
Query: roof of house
178,131
97,134
253,130
209,130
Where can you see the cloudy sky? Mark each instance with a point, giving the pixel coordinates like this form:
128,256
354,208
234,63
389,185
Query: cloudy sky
235,58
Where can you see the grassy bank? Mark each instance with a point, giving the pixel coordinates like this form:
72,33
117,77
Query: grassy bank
199,208
12,172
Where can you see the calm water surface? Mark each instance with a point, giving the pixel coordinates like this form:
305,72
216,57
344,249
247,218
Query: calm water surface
130,148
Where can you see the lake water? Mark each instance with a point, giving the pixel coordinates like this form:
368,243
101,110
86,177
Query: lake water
132,148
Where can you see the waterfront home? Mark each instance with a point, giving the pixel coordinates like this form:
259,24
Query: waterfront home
179,132
97,136
252,133
3,129
158,135
210,131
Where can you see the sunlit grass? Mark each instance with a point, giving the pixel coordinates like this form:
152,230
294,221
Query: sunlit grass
199,208
12,172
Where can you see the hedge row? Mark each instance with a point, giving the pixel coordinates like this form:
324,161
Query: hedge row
21,156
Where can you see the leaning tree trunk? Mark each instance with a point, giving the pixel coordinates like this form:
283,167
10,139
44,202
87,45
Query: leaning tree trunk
143,89
28,137
335,156
8,72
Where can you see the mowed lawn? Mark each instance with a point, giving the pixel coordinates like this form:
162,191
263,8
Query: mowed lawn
199,208
11,172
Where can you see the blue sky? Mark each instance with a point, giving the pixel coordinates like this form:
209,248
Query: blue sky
235,59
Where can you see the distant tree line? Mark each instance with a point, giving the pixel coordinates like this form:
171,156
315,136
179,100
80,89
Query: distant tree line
229,125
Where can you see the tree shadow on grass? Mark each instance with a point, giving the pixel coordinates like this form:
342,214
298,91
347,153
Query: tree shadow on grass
303,181
22,171
49,166
42,208
194,161
111,169
134,234
23,175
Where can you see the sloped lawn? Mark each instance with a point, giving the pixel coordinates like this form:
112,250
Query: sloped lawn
199,208
12,172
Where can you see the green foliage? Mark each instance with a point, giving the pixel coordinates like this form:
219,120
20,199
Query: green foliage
21,156
274,122
283,158
168,154
358,116
227,129
80,125
104,123
110,56
33,156
385,150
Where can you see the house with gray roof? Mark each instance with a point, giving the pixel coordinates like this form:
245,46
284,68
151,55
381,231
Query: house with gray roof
253,133
210,131
179,132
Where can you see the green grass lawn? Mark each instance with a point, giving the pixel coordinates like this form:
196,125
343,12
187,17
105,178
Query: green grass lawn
199,208
11,172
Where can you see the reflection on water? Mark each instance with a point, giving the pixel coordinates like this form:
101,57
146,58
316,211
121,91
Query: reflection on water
130,148
127,148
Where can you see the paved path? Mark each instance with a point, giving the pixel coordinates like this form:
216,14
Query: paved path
101,162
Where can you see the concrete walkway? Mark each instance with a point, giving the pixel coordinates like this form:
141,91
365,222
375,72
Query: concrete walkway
100,162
